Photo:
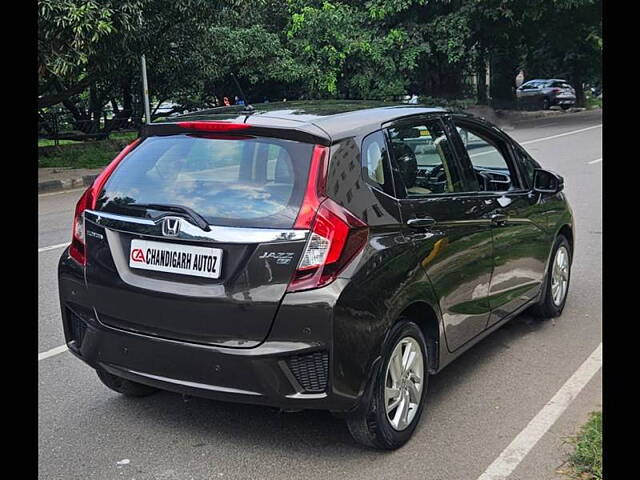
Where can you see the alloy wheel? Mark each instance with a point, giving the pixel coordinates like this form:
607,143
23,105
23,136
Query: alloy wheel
560,275
404,381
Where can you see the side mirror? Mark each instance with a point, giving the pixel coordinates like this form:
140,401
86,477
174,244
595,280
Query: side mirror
545,181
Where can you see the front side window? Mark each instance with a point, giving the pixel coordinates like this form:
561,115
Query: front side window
424,158
488,156
529,165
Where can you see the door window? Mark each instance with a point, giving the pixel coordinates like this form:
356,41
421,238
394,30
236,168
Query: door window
424,159
490,160
529,166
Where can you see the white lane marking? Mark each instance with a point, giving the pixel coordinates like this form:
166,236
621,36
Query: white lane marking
511,456
61,192
560,135
52,247
52,352
493,150
597,160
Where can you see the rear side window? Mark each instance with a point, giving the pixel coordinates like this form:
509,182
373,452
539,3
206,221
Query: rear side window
245,182
375,162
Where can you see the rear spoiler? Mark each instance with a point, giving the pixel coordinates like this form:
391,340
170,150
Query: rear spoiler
229,130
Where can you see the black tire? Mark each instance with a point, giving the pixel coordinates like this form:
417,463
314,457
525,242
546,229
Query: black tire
565,107
124,386
546,307
369,424
546,104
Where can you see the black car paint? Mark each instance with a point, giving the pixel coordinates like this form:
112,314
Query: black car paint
400,272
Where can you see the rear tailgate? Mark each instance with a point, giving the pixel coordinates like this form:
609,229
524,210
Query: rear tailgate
157,272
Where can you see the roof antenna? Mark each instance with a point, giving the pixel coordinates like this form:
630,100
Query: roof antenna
247,107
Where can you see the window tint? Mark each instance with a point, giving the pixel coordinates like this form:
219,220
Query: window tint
488,159
374,162
236,182
423,156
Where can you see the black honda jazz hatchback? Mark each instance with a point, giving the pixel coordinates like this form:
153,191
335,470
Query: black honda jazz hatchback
327,255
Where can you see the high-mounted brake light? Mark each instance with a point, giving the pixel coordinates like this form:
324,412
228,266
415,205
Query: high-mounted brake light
212,126
336,234
87,201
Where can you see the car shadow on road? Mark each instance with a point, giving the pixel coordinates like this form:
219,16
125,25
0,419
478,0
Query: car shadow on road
309,433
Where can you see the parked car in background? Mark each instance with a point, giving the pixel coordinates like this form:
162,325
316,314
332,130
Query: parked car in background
311,255
546,94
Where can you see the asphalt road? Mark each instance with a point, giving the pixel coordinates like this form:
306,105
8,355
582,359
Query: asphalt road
476,406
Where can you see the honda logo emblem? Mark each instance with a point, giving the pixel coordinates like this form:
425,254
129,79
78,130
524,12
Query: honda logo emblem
171,226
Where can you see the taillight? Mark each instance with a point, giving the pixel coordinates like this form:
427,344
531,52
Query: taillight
87,201
556,90
77,248
336,235
316,186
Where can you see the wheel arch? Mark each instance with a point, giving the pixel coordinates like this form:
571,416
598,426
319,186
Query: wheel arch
567,232
425,316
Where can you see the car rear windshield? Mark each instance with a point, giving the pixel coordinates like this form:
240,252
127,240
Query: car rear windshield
244,181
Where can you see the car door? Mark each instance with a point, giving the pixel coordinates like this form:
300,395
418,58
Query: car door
517,221
447,224
524,94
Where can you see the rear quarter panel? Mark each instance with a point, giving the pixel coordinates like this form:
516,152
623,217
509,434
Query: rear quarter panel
384,278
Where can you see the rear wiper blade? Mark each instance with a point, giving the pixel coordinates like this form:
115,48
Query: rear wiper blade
198,219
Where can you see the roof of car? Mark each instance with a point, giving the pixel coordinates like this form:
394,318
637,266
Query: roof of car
337,119
546,80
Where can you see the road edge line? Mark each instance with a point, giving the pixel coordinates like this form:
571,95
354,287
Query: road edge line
52,352
524,442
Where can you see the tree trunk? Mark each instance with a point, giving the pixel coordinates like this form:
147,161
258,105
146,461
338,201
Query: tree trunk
502,82
481,75
576,82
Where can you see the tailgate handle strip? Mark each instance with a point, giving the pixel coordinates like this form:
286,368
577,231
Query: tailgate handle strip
190,232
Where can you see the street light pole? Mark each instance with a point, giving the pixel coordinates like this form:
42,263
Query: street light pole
145,87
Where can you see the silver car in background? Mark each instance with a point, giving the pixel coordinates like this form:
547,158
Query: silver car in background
546,94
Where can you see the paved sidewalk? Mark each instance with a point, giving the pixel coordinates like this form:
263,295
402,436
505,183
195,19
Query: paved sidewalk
64,178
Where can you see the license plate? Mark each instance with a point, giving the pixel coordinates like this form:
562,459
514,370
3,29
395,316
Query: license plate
175,258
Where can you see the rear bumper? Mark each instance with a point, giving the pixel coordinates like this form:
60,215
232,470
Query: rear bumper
563,101
264,375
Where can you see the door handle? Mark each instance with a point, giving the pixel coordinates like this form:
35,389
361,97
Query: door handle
422,222
498,218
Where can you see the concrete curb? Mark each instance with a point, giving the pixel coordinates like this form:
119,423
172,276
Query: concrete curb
511,118
66,184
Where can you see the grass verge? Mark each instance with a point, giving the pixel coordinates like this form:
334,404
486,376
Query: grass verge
592,102
585,463
90,154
